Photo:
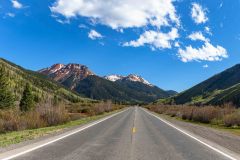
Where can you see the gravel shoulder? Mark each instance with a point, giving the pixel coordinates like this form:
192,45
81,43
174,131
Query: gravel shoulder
220,137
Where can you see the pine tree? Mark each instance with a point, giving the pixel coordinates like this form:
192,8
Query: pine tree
27,102
6,97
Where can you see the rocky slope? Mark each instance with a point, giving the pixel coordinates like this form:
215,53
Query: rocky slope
69,75
127,89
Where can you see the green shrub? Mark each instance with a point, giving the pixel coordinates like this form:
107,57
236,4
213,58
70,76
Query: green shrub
27,102
6,97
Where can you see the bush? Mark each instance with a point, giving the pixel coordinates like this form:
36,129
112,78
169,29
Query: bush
32,120
205,114
187,113
224,115
10,120
172,111
232,119
13,120
48,114
53,115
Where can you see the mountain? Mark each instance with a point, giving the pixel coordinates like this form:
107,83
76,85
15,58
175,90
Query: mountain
43,88
68,75
219,89
121,91
172,92
127,89
131,77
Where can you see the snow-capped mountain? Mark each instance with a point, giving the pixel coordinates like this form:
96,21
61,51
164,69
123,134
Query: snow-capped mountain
131,77
113,78
118,88
69,74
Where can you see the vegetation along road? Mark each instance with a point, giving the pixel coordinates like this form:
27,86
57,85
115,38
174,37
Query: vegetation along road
133,134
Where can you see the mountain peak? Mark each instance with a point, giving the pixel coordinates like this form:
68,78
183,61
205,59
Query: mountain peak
54,68
113,77
130,77
61,72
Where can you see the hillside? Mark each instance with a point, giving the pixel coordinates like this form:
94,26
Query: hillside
122,91
126,89
42,88
220,88
229,95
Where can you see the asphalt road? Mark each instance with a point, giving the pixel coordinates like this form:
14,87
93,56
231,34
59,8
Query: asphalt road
131,135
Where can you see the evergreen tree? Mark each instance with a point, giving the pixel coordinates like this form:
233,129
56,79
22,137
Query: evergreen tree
27,102
6,97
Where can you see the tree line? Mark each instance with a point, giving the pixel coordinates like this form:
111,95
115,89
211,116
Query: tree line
7,98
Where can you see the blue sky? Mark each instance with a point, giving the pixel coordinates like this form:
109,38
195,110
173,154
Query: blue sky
172,44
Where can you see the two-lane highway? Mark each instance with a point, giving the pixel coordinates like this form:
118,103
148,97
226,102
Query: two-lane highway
131,135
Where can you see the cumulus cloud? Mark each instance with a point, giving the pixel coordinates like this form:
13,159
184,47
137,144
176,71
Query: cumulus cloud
207,52
94,35
120,13
198,36
198,13
151,18
155,39
16,4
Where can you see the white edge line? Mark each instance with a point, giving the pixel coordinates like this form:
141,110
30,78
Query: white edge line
191,136
77,131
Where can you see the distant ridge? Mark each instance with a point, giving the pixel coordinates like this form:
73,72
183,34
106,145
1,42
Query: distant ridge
127,89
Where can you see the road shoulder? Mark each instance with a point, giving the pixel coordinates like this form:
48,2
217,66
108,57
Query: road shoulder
49,132
221,140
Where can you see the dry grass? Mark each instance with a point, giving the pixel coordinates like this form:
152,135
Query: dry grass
225,115
47,114
232,119
13,120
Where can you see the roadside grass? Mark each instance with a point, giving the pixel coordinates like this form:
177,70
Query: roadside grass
16,137
232,130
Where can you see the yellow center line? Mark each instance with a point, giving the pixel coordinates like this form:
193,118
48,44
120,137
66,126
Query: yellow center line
133,130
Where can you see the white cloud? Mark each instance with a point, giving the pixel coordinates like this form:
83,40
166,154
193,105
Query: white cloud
151,16
199,13
62,21
12,15
177,44
205,66
16,4
208,30
94,35
155,39
82,26
206,53
120,13
198,36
